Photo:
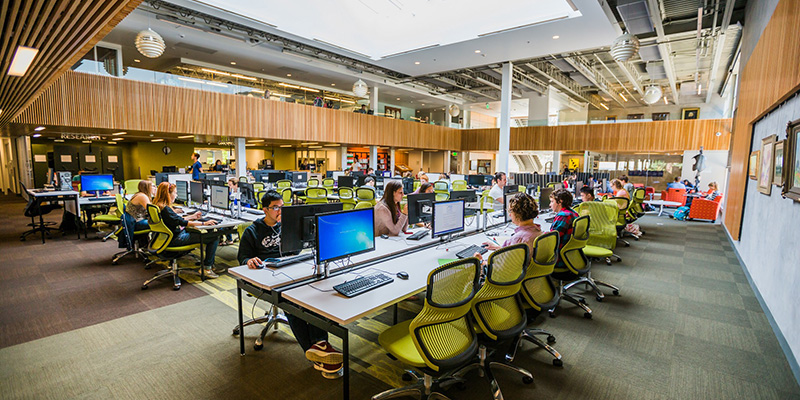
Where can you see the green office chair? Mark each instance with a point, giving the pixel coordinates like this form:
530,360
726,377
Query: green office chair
131,186
131,236
366,194
459,184
259,195
258,186
347,197
114,217
498,312
441,187
243,179
539,293
552,184
486,202
602,238
287,196
363,204
313,182
623,205
316,195
576,266
441,338
328,183
283,184
416,185
159,247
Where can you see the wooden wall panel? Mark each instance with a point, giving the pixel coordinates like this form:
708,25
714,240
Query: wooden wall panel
639,136
79,100
772,74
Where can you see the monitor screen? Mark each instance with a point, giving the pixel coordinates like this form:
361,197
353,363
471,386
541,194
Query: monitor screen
544,198
183,191
475,180
387,174
247,195
345,233
448,217
196,191
297,224
336,174
299,177
468,196
357,173
215,177
419,207
346,181
276,176
361,179
219,196
96,183
510,189
487,180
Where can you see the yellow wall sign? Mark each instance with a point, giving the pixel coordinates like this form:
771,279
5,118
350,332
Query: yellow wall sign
574,163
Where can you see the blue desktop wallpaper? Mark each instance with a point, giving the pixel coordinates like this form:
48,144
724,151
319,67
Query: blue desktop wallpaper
345,233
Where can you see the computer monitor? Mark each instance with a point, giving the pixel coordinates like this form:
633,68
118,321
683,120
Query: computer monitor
357,173
487,180
276,176
448,217
386,174
170,168
544,198
299,177
345,233
196,191
220,195
510,189
182,188
298,225
247,195
469,196
336,174
475,180
346,181
214,177
162,177
419,207
97,183
361,179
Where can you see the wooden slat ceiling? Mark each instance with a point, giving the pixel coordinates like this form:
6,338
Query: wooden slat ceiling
62,30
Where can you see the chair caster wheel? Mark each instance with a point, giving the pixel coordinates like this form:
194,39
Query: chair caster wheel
627,245
558,363
552,314
608,262
599,299
236,331
144,287
582,301
619,260
258,346
587,315
114,262
527,380
636,239
176,287
104,240
551,339
407,377
616,292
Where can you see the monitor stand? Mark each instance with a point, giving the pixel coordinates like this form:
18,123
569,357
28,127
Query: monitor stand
322,270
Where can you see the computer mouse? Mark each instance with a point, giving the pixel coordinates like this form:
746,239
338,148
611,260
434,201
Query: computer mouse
402,275
384,236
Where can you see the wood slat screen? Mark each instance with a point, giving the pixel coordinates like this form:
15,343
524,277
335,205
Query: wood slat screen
635,136
62,30
771,75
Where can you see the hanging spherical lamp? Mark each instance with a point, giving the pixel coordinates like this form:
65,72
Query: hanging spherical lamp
624,47
360,88
454,110
652,94
150,43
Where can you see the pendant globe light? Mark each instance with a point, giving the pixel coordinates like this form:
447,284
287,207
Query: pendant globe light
454,110
360,88
150,43
652,94
624,47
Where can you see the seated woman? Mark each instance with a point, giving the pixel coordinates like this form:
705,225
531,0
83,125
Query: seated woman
137,205
425,187
165,196
423,178
619,189
712,191
522,210
561,203
390,218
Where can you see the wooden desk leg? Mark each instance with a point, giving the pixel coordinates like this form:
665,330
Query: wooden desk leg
241,320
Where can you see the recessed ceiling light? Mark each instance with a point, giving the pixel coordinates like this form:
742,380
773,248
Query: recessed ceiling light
119,133
59,140
416,62
39,128
314,147
137,60
157,140
332,144
333,84
233,62
37,135
423,104
556,37
87,141
118,139
477,51
256,141
186,137
307,143
286,145
112,142
23,58
398,98
288,74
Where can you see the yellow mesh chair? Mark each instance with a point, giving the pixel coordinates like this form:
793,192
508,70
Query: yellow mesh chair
486,202
539,293
623,204
258,186
114,217
441,338
575,265
441,188
365,195
417,185
287,196
348,198
602,238
498,312
127,223
328,183
243,179
363,204
459,184
312,182
283,184
160,248
131,186
316,195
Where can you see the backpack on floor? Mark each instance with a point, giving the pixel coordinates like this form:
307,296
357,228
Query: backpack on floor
681,213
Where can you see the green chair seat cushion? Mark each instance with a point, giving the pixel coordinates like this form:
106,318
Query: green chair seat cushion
144,232
188,247
597,252
106,218
398,342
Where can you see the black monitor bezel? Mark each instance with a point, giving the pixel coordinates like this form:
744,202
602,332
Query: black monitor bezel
416,198
434,234
177,192
201,192
317,258
352,181
295,233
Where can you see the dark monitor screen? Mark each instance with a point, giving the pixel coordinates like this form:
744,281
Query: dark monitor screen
510,189
346,181
448,217
419,207
357,173
487,180
297,224
247,195
475,180
362,179
182,188
344,234
299,177
196,191
329,174
215,177
97,183
162,177
276,176
544,198
170,168
469,196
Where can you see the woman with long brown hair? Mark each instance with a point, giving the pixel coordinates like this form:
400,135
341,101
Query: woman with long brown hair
137,206
165,196
390,218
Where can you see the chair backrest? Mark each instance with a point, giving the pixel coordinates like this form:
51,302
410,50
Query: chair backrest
328,182
258,187
364,194
497,308
441,187
572,252
678,195
131,186
283,183
286,193
317,193
312,182
346,193
363,204
120,204
623,203
162,235
442,196
259,195
603,229
486,201
459,184
241,228
242,179
442,331
417,184
537,290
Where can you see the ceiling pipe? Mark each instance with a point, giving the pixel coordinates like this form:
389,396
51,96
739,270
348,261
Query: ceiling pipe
617,79
718,49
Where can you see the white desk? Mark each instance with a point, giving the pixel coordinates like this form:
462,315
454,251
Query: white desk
662,203
69,197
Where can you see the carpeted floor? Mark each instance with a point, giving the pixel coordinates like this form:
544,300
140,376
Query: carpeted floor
687,325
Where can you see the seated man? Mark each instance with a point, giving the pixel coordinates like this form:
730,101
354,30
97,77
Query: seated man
369,183
676,184
496,192
587,193
262,240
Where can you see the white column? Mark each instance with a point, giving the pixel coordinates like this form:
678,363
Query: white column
240,155
344,157
391,160
557,162
373,157
505,119
373,99
538,106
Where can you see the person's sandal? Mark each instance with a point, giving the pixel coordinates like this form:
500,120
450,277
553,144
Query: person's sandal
210,274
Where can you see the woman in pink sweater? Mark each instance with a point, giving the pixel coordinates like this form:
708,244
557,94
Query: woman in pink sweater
390,218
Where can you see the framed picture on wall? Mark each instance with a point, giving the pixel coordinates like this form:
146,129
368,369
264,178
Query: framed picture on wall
777,177
765,165
611,118
635,116
752,170
690,113
660,116
791,163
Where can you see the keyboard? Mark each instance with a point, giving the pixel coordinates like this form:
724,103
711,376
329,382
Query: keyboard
253,211
204,219
419,234
470,251
99,198
362,284
280,262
